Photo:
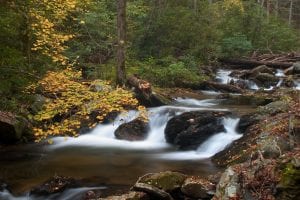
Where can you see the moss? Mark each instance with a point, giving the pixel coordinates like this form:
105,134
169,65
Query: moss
290,176
167,181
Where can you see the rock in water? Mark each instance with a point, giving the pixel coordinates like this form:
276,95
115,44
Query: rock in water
132,131
198,188
54,185
265,79
163,185
12,127
296,68
190,129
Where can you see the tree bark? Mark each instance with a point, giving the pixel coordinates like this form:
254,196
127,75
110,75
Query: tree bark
121,28
291,12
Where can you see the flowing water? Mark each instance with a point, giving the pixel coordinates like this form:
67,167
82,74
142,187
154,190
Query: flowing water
106,164
100,158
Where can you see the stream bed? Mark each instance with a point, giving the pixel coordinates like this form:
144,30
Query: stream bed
109,165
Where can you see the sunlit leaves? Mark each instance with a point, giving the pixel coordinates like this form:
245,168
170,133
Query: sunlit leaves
47,18
75,104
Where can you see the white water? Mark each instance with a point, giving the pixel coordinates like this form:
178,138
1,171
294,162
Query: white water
297,85
224,77
103,135
196,102
280,73
69,194
210,147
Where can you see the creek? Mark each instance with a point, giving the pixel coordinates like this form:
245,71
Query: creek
108,165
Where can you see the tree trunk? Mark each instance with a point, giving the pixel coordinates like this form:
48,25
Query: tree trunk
291,12
195,6
268,10
121,28
276,8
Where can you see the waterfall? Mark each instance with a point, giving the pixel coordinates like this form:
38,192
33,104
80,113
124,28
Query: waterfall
103,135
223,76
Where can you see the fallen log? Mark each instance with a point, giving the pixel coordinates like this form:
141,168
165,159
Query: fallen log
209,85
144,94
254,63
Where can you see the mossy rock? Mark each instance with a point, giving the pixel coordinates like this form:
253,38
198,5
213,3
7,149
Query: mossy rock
167,181
289,185
274,108
245,99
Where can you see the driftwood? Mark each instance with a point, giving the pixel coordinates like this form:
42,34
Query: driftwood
281,61
254,63
142,86
143,92
209,85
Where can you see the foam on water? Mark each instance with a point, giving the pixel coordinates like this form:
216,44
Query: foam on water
280,73
196,102
223,76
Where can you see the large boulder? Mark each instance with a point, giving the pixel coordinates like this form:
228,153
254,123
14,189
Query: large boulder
265,79
198,188
190,129
296,68
133,131
12,127
56,184
163,185
229,186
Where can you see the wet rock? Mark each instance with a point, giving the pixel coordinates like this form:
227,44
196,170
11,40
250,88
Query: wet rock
272,146
265,79
89,195
289,71
110,117
247,120
166,181
196,187
129,196
54,185
163,185
296,68
241,84
190,129
245,99
274,108
132,131
12,127
228,187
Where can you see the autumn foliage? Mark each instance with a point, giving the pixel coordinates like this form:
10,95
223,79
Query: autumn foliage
73,104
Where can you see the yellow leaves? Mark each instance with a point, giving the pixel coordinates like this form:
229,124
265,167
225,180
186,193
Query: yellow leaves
46,18
230,4
75,103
